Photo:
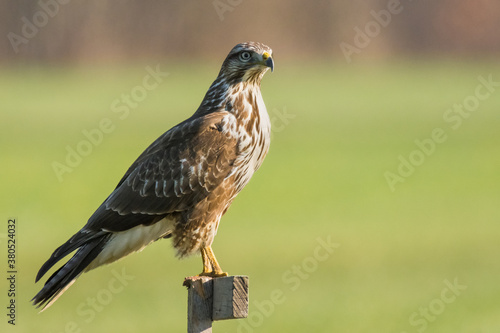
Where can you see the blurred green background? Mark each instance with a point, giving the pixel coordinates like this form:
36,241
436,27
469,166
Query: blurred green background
419,256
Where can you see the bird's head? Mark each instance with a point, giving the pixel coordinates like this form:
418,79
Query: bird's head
247,62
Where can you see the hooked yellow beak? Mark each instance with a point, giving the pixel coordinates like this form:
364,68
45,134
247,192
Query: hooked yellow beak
268,60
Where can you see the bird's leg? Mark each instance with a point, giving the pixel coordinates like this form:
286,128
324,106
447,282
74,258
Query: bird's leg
210,265
207,267
216,270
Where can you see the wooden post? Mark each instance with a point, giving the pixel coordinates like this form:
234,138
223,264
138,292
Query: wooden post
211,299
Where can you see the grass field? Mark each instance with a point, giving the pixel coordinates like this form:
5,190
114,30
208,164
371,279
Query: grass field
420,256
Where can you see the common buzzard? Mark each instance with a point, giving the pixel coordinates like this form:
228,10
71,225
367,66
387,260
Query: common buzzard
183,183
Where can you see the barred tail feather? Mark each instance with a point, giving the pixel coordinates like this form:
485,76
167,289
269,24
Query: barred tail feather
65,276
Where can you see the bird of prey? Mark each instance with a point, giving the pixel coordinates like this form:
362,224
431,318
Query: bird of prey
183,183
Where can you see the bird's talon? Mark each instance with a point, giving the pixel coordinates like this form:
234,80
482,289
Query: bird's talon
213,274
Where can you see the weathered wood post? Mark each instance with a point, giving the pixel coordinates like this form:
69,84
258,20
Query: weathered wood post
211,299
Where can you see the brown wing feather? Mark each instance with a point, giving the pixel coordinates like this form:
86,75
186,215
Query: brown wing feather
179,169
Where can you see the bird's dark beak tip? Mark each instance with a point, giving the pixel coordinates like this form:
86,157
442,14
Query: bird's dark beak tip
270,63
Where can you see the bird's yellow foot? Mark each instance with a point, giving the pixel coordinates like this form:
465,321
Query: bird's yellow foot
213,274
211,267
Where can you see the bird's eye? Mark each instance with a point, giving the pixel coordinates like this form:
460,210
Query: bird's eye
245,56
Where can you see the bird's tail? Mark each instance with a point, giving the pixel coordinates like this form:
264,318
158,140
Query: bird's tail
63,278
